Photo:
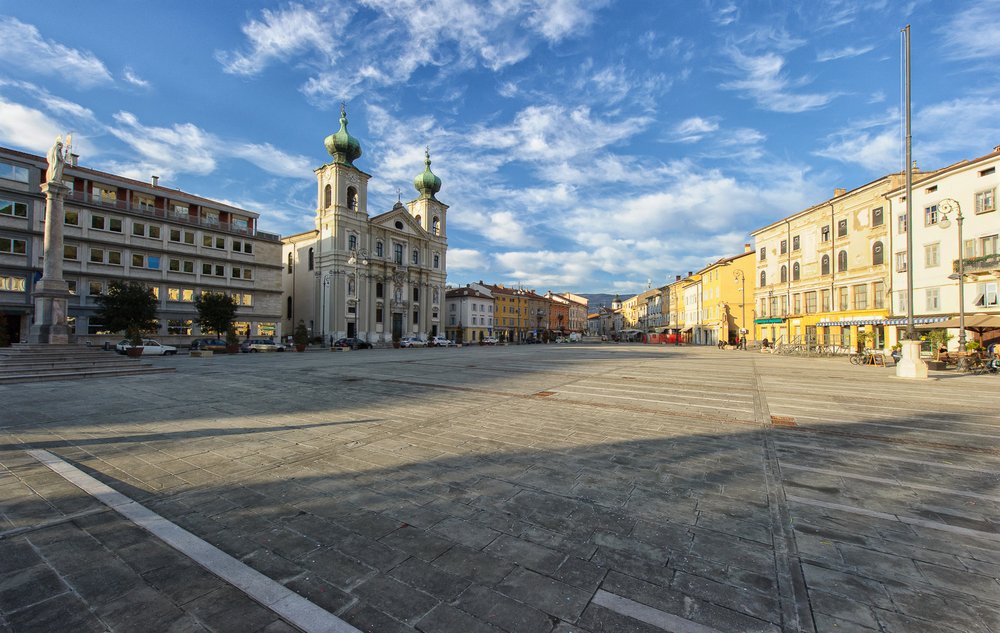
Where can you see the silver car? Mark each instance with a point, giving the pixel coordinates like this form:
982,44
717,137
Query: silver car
412,341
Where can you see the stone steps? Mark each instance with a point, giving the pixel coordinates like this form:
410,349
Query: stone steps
35,363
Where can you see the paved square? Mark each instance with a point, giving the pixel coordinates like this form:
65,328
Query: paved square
548,488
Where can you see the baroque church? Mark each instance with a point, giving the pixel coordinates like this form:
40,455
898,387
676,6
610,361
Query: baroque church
378,278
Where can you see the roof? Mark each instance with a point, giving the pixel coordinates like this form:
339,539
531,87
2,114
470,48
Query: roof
454,293
950,169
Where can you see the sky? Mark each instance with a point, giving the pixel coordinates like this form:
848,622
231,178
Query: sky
583,145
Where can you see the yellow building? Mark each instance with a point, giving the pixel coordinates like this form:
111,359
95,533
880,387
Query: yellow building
822,274
727,298
512,319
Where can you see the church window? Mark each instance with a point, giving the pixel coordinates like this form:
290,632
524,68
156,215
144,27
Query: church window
312,259
435,226
842,262
437,261
397,253
379,249
352,243
289,263
327,196
416,256
784,274
379,290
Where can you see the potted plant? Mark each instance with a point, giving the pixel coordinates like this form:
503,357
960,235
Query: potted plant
939,340
216,311
395,340
973,346
300,336
130,307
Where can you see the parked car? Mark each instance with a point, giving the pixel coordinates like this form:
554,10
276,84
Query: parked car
412,341
209,344
489,340
439,341
149,347
261,345
353,343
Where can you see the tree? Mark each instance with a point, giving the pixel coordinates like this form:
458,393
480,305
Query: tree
130,307
216,311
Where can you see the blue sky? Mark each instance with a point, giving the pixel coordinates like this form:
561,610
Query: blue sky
584,145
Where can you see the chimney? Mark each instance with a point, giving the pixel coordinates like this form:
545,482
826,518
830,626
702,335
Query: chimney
73,159
690,273
156,180
746,248
678,278
839,192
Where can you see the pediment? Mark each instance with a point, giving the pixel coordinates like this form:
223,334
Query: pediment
399,219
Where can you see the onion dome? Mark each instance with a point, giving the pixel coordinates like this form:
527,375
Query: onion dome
342,146
427,184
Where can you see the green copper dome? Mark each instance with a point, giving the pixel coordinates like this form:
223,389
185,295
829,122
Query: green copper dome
342,146
427,183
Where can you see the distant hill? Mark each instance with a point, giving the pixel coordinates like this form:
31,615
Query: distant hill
596,300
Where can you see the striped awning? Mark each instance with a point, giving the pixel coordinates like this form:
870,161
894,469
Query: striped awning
918,320
850,322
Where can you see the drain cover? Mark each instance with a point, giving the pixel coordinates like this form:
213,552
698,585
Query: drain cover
782,420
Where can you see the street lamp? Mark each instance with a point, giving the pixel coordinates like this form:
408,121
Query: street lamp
946,207
741,276
359,257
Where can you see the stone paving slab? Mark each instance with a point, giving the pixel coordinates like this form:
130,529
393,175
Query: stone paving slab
536,488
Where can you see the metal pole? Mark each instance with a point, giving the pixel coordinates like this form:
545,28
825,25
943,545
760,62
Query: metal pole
911,330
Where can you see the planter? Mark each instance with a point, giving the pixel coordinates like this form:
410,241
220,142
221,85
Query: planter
300,347
133,352
233,349
395,344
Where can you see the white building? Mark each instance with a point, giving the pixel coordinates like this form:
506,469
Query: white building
469,314
117,228
693,311
378,277
972,185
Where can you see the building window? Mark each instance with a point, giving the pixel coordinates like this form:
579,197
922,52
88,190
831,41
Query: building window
70,252
878,218
416,317
179,327
13,209
987,294
795,271
151,262
784,247
13,246
327,196
842,262
378,314
415,258
930,215
416,294
901,262
811,302
185,295
437,261
824,296
762,254
784,273
177,235
861,297
312,259
932,255
797,303
824,233
216,270
288,308
289,263
352,199
12,284
71,217
878,293
435,226
933,298
242,272
878,256
397,252
13,172
843,298
211,241
824,266
763,278
841,228
352,242
181,266
795,243
379,290
379,249
243,299
240,246
988,245
902,223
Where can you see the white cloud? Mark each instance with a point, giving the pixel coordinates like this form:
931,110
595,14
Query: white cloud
506,227
726,15
557,19
842,53
269,158
467,259
971,33
130,76
21,126
878,152
25,48
282,33
544,270
183,147
765,83
694,129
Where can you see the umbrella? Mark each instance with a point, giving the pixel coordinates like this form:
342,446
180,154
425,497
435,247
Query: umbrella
978,323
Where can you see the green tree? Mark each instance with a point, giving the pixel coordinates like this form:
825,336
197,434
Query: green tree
130,307
216,311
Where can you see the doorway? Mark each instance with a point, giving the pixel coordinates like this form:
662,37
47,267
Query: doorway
352,329
397,326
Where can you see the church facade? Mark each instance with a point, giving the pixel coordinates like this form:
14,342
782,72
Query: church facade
378,277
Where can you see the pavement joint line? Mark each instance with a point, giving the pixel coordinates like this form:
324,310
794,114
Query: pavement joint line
844,451
748,398
271,594
901,518
51,523
793,404
793,595
978,450
892,482
900,426
686,404
648,615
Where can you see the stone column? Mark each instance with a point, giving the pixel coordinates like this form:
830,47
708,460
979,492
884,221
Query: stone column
51,295
911,365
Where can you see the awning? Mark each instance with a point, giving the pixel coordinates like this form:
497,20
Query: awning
849,323
918,320
689,329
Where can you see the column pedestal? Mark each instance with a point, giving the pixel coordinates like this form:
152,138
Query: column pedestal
911,365
51,294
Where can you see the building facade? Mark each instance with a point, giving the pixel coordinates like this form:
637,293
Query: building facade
469,314
117,228
937,249
378,278
727,297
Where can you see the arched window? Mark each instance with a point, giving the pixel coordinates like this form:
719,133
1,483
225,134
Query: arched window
416,256
763,278
795,271
350,286
842,261
437,261
379,249
784,273
824,266
352,199
289,263
878,257
327,196
312,260
418,219
397,253
352,242
436,226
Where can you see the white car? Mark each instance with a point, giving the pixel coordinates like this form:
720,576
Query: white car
149,347
412,341
489,340
439,341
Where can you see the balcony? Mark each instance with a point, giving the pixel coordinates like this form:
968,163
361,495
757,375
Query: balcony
980,265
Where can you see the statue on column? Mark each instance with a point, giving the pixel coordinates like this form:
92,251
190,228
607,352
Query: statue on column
57,160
